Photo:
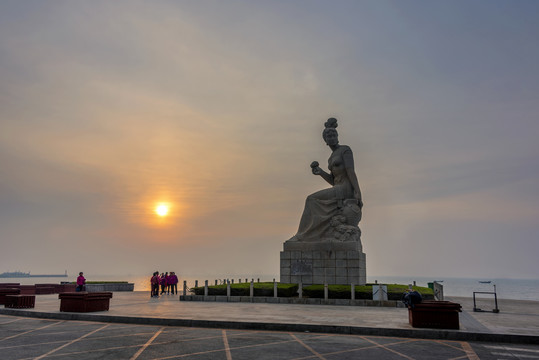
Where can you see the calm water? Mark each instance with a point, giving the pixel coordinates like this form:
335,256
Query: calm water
520,289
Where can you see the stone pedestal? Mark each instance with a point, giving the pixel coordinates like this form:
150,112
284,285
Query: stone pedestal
331,262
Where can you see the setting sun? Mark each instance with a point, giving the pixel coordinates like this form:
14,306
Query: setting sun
161,210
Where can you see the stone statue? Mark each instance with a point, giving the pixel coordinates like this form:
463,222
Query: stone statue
333,214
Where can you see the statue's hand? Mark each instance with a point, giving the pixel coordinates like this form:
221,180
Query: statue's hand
315,168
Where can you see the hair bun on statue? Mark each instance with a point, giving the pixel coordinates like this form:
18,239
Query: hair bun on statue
331,123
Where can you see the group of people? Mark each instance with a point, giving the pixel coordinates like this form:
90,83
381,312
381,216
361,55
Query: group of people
168,282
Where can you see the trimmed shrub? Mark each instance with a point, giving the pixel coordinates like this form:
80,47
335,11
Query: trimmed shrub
338,291
243,289
396,291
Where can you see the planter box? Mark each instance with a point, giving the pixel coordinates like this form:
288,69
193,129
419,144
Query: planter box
435,315
7,291
28,289
9,285
20,301
84,301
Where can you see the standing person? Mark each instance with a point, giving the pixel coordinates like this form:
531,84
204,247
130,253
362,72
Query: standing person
173,283
167,277
163,283
81,282
155,284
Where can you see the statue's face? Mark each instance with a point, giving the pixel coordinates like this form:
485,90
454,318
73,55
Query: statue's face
332,138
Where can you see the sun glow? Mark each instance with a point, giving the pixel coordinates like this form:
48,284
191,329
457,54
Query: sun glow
161,210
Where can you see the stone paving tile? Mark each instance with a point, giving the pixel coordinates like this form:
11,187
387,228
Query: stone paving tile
24,338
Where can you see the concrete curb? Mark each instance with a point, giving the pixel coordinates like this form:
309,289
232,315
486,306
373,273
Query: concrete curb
294,300
454,335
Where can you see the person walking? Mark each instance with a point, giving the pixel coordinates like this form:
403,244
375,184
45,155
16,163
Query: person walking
81,282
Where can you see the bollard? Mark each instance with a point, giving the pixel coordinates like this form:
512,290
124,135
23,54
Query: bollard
228,289
300,290
196,283
252,289
206,288
184,288
274,289
353,291
326,292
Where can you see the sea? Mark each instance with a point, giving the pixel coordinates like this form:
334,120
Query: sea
516,289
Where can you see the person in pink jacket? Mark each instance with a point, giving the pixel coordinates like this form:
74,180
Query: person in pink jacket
173,283
81,282
164,283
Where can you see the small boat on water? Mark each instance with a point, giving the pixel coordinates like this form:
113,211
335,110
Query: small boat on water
485,282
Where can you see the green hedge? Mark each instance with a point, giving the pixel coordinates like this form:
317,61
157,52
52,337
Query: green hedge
338,291
243,289
394,291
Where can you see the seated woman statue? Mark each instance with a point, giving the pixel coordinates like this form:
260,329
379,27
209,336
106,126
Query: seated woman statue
333,214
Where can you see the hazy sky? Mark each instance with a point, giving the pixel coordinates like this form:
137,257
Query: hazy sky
108,108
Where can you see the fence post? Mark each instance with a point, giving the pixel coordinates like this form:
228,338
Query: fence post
326,292
274,289
252,289
228,289
196,283
300,290
206,288
353,291
184,288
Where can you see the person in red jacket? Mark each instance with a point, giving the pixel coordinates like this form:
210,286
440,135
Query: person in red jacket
154,281
163,280
173,283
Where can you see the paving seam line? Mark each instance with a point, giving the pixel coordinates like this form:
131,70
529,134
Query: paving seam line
439,334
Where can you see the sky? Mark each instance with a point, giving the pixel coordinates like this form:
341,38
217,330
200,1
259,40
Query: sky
216,108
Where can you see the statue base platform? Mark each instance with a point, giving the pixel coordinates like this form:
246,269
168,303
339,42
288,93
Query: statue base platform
330,262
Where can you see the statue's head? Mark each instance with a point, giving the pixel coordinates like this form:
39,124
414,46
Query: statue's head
330,135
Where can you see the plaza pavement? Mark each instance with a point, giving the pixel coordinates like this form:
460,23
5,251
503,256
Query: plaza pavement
517,321
140,327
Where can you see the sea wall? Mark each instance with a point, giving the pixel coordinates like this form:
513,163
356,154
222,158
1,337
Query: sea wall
110,287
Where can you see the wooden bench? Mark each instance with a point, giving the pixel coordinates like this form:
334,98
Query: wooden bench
20,301
7,291
84,301
435,314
